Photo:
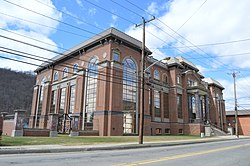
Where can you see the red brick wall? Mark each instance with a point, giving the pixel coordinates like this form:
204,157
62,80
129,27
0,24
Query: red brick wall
36,132
8,126
244,124
194,129
88,133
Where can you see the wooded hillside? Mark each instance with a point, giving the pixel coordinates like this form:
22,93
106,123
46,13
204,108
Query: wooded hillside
16,90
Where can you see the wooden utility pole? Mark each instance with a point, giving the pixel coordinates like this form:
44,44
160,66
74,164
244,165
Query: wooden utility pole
234,74
143,57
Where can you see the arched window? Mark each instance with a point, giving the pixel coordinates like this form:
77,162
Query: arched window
156,75
165,79
56,76
75,68
129,96
91,82
65,72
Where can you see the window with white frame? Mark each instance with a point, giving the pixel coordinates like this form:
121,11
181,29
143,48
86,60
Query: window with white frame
179,106
56,76
75,68
129,95
157,75
62,101
91,81
53,102
157,103
178,79
65,72
40,103
72,99
116,55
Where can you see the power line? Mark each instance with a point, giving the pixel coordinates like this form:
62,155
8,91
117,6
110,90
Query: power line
175,32
42,48
209,44
34,39
70,72
161,30
98,6
68,65
77,18
74,26
191,15
50,27
51,18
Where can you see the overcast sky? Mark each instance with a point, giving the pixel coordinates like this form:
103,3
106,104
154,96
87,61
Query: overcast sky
214,35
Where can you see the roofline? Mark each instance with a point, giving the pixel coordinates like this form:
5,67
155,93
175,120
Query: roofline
111,32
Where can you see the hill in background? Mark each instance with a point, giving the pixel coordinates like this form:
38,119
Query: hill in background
16,90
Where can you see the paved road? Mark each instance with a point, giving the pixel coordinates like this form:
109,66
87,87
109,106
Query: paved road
226,153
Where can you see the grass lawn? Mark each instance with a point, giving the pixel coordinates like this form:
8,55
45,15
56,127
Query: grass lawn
66,140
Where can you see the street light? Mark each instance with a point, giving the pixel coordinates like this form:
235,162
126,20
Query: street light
142,97
164,59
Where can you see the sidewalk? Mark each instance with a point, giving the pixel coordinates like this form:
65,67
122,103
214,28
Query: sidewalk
115,146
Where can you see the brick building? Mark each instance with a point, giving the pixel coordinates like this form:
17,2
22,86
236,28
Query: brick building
97,84
243,121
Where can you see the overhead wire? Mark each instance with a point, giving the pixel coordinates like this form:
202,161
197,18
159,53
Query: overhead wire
175,32
51,18
72,16
59,20
44,25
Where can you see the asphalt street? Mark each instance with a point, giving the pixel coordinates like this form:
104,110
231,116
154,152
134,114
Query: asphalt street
225,153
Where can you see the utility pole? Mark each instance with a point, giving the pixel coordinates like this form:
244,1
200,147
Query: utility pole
143,57
234,74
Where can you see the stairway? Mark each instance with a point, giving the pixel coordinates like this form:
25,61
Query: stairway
217,132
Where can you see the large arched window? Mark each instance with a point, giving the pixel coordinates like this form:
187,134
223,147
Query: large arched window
157,75
129,96
65,72
75,68
91,82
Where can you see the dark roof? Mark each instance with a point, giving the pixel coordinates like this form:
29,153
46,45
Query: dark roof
109,32
240,112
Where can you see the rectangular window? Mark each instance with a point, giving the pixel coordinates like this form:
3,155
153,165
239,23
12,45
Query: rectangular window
179,106
116,56
39,110
53,102
72,99
165,105
157,104
62,100
158,131
180,131
178,79
167,131
150,101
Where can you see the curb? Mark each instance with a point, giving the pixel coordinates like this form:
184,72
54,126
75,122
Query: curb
118,147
